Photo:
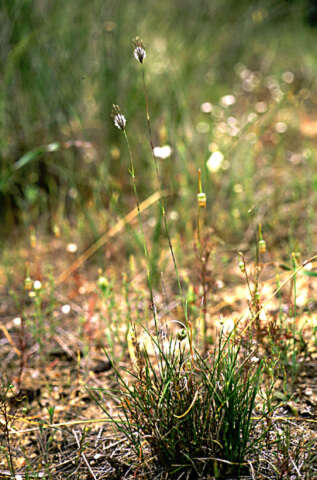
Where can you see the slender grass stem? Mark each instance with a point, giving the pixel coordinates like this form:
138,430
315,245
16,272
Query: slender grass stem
161,202
146,251
203,257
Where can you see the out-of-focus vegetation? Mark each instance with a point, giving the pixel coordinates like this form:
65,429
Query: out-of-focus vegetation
63,65
195,328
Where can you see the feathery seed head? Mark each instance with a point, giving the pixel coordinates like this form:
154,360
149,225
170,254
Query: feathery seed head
118,119
139,50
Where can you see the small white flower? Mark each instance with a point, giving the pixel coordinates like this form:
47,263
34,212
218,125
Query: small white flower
174,215
261,107
280,127
52,147
214,161
206,107
72,247
162,152
228,100
65,309
37,285
17,321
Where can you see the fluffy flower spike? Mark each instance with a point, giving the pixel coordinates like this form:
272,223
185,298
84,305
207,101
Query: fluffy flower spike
118,119
139,50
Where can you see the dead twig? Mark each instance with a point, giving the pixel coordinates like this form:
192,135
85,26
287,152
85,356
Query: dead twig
83,455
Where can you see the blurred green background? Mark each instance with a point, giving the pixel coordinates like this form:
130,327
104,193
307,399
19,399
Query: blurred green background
235,78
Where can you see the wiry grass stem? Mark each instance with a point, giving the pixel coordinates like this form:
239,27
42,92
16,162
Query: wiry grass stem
161,202
146,251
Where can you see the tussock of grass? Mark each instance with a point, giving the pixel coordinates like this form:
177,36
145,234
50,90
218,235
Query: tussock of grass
194,412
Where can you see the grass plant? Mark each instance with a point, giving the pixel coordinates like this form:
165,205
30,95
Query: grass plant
195,412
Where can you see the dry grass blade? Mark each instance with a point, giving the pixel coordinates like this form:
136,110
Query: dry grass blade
151,200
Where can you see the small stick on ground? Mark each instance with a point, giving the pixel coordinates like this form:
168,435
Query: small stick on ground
83,455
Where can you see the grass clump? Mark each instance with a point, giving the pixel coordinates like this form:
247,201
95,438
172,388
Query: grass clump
194,412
